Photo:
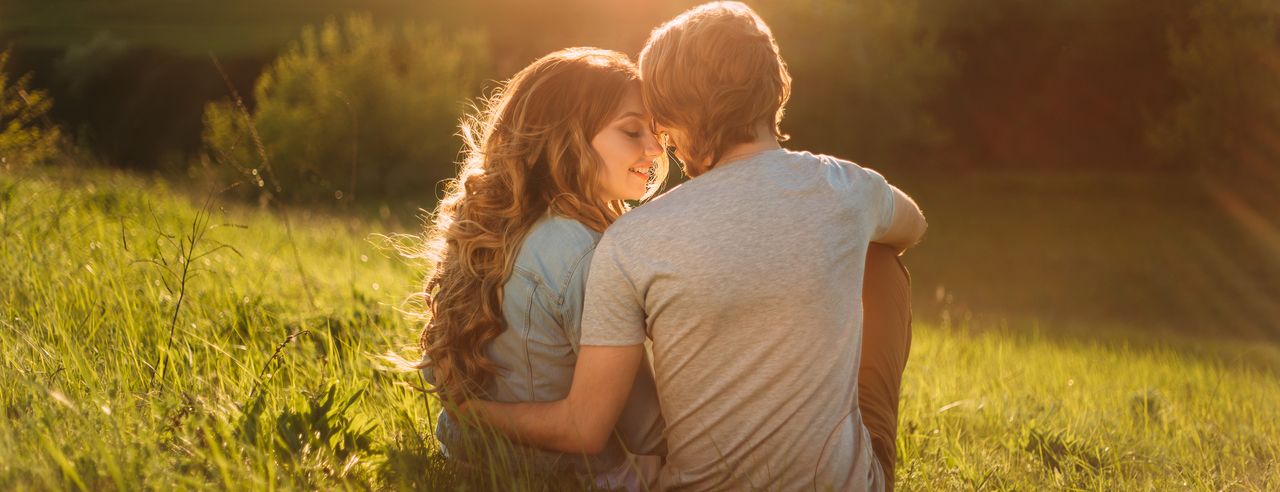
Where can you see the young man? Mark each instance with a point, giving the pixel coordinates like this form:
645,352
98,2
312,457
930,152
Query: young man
747,279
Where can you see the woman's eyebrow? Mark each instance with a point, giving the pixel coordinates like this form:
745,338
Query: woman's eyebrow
630,114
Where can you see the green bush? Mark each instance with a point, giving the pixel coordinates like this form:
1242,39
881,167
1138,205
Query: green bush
352,109
1229,71
26,135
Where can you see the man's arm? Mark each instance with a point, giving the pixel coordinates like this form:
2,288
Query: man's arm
908,223
583,421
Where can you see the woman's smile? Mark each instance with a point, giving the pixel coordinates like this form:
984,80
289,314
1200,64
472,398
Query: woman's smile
642,171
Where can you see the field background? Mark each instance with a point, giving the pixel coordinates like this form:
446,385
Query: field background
1097,300
988,402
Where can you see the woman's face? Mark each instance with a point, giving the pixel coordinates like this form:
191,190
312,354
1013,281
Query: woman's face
628,150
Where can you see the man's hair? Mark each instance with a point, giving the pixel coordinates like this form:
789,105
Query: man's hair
714,73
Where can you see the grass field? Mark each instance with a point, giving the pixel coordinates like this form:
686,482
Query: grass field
259,371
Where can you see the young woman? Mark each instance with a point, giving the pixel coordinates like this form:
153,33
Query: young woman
549,161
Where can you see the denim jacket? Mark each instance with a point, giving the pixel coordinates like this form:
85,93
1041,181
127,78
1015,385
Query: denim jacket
542,307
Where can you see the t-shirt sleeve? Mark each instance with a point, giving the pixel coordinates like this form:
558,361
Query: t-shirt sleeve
877,200
613,312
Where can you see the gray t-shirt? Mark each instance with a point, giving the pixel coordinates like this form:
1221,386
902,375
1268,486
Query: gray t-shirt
748,281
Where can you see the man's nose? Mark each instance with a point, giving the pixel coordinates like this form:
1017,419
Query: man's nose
651,146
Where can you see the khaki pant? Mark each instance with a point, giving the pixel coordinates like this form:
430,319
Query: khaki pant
886,342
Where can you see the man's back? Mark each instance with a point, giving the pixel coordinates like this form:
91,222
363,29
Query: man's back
748,279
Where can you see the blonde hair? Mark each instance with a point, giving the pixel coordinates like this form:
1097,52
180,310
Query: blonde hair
714,73
527,150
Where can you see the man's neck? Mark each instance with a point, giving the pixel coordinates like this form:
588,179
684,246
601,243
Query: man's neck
764,142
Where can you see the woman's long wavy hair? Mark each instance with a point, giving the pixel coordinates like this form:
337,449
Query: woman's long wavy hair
527,151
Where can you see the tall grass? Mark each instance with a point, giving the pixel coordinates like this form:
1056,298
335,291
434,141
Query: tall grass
1017,409
262,388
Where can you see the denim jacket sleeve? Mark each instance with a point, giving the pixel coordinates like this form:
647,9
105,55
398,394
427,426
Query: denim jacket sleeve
541,306
574,292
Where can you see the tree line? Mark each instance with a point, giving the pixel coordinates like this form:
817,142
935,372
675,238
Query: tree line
365,104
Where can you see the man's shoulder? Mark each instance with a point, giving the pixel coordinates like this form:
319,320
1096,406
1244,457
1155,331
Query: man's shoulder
658,210
803,165
841,173
684,199
823,159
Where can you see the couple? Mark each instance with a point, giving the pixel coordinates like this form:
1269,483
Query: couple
771,366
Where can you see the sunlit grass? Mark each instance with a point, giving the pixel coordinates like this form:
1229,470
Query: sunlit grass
1006,410
270,380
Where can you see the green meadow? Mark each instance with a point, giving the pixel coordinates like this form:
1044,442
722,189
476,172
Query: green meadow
159,338
1096,303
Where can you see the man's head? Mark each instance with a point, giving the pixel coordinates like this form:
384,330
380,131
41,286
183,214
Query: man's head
711,76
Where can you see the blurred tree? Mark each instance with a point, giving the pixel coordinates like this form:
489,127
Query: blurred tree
26,135
353,109
863,73
1228,119
1053,83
